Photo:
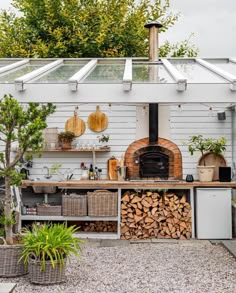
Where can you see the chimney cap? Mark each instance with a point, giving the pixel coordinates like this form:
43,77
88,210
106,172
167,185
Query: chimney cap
153,23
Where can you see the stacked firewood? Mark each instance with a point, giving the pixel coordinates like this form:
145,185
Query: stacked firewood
152,215
106,226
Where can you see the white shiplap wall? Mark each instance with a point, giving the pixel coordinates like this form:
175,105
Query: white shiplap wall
127,123
121,128
196,119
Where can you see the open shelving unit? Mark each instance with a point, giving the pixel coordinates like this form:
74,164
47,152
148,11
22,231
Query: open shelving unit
92,235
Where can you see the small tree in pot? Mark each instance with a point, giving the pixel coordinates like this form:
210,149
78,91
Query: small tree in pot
197,143
24,125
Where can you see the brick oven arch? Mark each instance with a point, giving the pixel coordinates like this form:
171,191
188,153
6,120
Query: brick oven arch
166,146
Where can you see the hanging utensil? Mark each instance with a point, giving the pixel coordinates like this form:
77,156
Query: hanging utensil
75,124
97,121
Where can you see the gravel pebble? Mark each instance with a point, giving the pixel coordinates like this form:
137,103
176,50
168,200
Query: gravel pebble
145,268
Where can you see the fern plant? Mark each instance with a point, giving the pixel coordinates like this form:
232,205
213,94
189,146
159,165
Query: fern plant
50,242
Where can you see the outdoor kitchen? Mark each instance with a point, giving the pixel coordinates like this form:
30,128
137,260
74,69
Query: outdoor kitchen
127,169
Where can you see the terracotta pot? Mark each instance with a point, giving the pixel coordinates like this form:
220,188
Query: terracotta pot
66,144
206,173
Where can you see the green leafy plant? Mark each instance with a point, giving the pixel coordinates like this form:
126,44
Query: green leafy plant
50,242
66,135
104,138
24,125
197,143
88,28
54,168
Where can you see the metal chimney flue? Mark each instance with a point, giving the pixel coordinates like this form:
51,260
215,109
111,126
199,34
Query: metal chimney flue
153,56
153,27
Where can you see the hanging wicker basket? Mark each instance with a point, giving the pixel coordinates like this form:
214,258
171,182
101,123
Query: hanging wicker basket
9,261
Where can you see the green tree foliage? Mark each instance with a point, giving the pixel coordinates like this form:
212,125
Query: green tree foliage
23,125
86,28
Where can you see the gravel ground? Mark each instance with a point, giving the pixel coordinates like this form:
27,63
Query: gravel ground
188,266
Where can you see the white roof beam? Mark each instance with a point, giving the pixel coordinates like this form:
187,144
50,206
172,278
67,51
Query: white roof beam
13,65
75,79
178,77
230,77
127,77
20,81
233,60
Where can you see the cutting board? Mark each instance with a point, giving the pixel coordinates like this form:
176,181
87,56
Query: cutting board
112,164
216,160
97,121
75,124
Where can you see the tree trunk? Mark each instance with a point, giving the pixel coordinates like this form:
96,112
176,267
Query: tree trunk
7,210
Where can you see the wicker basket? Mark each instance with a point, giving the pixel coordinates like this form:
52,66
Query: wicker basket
44,210
102,203
49,276
74,205
9,261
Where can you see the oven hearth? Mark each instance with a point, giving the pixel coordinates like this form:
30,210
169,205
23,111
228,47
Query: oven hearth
161,161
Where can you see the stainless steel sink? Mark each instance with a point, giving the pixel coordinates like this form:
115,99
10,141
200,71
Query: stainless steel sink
44,189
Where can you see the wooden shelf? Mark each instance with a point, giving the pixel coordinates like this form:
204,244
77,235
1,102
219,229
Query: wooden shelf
77,150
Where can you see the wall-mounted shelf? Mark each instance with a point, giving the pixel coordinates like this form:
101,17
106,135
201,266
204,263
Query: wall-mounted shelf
93,151
77,150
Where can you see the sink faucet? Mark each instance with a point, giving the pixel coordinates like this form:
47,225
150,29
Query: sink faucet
47,176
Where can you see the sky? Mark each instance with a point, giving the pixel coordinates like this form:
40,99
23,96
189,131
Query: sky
213,23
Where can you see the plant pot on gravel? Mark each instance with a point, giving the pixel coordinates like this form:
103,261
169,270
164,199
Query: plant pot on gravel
10,266
206,146
23,126
46,249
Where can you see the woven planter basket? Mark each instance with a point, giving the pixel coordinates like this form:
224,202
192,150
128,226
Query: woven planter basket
102,203
9,265
49,276
48,210
74,205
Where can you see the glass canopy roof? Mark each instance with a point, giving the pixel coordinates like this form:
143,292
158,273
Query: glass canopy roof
112,71
136,76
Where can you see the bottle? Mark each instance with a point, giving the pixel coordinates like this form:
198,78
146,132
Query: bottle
91,173
95,173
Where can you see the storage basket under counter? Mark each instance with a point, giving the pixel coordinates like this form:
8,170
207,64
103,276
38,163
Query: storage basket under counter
102,203
74,205
49,210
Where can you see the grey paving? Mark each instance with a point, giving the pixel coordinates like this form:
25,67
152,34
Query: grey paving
7,287
230,245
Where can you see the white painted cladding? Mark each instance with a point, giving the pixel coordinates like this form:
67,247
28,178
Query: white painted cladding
121,128
198,119
128,123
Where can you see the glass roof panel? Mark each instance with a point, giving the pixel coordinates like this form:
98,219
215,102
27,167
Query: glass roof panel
10,76
150,73
195,73
60,74
7,62
230,67
106,73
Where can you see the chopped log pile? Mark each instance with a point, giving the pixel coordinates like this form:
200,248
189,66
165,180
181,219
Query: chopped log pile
105,226
151,215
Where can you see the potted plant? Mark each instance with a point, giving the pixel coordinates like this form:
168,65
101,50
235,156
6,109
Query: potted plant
197,143
103,139
46,248
24,126
66,138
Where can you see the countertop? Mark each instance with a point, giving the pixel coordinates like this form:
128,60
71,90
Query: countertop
127,184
